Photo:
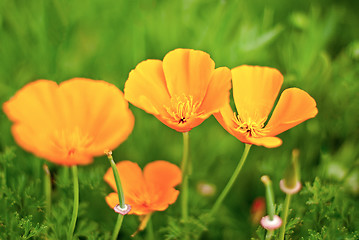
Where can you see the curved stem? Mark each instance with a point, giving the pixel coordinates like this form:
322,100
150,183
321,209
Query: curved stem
117,228
285,216
185,168
47,188
231,181
76,202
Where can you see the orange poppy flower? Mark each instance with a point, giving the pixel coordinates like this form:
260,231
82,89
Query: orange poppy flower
182,90
152,190
254,91
69,123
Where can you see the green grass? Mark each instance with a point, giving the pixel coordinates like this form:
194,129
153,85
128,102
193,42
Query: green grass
315,44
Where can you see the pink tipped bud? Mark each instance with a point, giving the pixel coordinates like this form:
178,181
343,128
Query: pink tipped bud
289,190
292,174
122,211
271,224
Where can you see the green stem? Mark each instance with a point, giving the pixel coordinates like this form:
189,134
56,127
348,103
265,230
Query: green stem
47,188
269,196
231,181
76,202
185,167
149,229
285,216
117,228
121,197
269,234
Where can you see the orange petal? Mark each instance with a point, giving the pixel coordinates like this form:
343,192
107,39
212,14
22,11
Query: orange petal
100,110
37,97
268,142
217,94
131,177
255,90
183,127
294,107
112,199
225,118
188,72
165,199
162,175
35,113
146,87
138,209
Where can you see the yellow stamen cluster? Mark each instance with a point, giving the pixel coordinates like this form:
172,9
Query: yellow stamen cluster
183,108
249,127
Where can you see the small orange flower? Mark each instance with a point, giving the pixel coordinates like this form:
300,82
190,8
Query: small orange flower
182,90
152,190
70,123
254,91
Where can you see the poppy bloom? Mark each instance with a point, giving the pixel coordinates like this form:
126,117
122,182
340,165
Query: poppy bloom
70,123
254,91
182,90
152,190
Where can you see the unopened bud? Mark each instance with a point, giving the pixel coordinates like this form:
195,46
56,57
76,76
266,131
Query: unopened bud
291,182
269,196
108,153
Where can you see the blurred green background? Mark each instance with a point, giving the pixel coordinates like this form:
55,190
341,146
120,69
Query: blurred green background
315,44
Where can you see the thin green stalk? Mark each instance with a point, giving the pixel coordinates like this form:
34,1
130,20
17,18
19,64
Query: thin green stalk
117,228
47,188
76,202
149,230
121,196
231,181
285,216
5,197
185,167
269,234
269,196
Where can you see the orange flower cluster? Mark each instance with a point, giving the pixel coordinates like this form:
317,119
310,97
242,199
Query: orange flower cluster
70,123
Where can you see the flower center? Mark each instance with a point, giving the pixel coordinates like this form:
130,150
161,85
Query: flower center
183,108
71,142
249,127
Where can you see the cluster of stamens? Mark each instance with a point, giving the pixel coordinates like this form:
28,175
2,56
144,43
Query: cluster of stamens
183,108
71,141
249,127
